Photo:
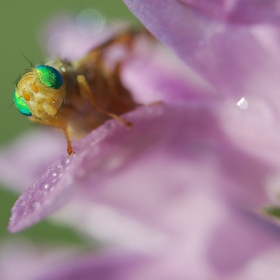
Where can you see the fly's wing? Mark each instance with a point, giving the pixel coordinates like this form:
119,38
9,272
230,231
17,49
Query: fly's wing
124,36
102,69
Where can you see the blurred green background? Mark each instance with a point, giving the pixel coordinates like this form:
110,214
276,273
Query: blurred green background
20,23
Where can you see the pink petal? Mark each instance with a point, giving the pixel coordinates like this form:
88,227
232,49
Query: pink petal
22,260
106,266
230,57
254,129
28,158
184,188
153,74
236,11
115,166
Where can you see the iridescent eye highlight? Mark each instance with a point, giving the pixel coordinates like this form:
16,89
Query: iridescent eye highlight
21,105
49,76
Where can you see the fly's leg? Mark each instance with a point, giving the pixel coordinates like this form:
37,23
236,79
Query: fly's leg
69,144
86,88
55,123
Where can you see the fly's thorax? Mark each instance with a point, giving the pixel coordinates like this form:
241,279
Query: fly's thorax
63,66
40,90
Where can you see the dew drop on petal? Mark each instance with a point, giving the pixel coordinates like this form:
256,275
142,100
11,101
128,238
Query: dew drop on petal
45,186
242,103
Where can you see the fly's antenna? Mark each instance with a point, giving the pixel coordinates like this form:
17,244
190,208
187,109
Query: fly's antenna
31,64
12,104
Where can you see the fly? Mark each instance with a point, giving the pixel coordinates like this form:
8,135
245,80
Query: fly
78,96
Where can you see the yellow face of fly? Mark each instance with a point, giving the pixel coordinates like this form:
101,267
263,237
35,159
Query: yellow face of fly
40,92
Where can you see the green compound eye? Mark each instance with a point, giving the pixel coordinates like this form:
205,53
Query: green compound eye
49,76
21,105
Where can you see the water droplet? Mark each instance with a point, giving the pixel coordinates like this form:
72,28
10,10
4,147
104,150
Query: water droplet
242,103
54,174
64,162
21,204
45,186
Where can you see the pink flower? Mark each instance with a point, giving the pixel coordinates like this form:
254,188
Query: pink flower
183,190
